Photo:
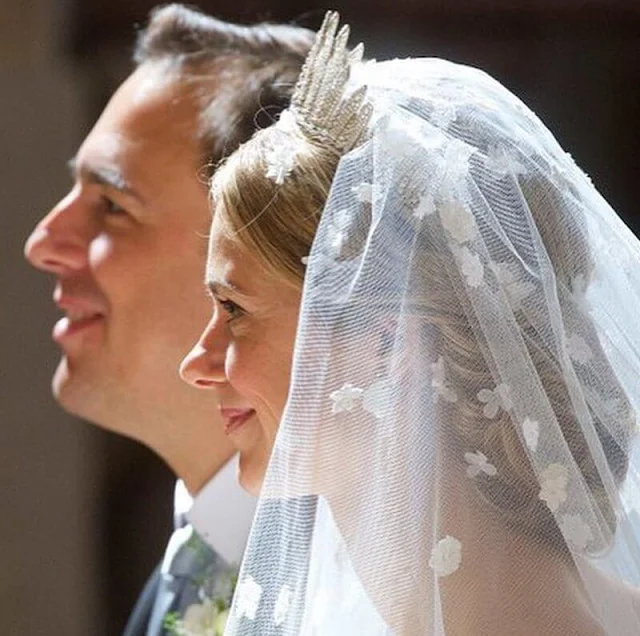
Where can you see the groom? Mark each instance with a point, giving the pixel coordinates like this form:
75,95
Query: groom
127,249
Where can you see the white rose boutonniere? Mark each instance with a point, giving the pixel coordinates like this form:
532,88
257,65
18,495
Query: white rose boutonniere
208,617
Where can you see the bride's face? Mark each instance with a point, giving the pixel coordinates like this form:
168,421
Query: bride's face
245,351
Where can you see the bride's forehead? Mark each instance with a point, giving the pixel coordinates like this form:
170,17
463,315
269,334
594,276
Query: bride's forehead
225,251
229,260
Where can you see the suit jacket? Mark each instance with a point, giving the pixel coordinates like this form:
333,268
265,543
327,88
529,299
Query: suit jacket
141,613
192,561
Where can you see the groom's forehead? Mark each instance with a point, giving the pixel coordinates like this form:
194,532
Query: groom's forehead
150,136
155,101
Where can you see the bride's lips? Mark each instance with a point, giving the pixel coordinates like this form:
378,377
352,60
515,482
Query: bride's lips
234,418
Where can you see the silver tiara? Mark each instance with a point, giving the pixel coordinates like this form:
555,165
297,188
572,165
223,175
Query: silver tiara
319,105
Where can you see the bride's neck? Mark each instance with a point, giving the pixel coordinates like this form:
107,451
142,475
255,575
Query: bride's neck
506,578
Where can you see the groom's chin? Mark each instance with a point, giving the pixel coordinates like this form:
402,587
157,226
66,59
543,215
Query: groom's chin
62,383
75,393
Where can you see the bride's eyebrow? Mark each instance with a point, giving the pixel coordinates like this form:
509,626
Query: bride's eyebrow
220,289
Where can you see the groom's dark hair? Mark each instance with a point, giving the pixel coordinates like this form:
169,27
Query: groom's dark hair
243,75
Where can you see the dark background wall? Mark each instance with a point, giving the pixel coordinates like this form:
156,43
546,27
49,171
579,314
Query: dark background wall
84,515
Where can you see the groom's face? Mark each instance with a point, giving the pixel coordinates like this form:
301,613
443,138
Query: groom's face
127,248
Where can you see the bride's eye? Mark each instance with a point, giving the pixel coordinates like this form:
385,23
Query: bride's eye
233,310
111,208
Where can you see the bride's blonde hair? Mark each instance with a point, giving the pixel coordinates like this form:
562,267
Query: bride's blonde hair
276,223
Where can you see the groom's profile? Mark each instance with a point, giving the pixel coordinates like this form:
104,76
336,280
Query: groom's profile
127,249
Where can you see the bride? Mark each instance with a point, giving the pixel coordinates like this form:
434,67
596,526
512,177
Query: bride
425,342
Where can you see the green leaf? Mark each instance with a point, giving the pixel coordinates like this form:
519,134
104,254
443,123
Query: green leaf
171,622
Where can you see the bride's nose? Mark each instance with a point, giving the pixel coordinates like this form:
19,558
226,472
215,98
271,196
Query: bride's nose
204,366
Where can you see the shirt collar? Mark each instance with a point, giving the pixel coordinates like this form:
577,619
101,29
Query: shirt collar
221,512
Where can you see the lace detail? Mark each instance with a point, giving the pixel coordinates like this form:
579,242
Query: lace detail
283,603
576,531
247,599
554,481
495,399
446,557
478,463
531,433
346,399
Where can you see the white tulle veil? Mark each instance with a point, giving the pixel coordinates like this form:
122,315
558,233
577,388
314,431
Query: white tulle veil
458,454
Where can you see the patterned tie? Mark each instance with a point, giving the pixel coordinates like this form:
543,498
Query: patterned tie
190,570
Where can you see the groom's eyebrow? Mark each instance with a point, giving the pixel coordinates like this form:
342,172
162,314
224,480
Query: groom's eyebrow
107,176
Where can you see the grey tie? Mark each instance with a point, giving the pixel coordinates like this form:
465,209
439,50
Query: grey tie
190,568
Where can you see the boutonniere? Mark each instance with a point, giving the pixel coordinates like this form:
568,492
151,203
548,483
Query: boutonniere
208,616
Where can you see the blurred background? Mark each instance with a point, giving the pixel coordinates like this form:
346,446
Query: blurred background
84,516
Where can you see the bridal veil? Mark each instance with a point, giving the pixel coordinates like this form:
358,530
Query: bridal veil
459,452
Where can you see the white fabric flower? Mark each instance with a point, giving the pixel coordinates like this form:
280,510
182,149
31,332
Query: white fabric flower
248,594
338,227
554,481
338,242
578,349
579,291
281,158
338,231
531,433
446,556
426,207
576,531
471,267
305,260
346,399
496,399
287,121
363,192
439,381
502,163
478,463
457,221
377,399
283,602
456,159
515,289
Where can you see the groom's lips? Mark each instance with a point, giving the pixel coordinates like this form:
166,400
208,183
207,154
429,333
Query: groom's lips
80,317
234,418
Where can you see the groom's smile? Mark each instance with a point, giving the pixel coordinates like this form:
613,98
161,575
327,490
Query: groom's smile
83,322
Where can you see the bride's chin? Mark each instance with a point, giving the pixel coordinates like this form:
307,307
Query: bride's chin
250,474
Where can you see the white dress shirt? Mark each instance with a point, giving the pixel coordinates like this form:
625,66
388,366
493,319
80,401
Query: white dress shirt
221,512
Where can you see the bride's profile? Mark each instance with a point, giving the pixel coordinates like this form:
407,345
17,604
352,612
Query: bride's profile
427,318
